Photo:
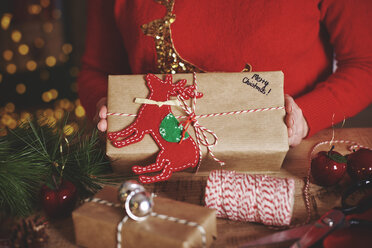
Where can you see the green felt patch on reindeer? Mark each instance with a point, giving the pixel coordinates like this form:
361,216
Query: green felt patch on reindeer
171,130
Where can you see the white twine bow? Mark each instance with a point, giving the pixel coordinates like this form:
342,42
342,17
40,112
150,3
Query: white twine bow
119,227
200,131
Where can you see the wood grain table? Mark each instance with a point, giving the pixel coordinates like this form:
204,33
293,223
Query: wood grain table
231,233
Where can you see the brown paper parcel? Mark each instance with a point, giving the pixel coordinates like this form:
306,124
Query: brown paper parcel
246,142
95,224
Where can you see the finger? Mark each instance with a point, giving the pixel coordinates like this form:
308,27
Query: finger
288,100
289,120
299,122
290,140
294,140
102,125
290,132
296,122
294,127
297,114
103,112
305,129
297,133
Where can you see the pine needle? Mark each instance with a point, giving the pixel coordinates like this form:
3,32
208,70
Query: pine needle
32,154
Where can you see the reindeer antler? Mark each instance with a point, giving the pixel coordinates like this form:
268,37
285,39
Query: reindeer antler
168,4
185,92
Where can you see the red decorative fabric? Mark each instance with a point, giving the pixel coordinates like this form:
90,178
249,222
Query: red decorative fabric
173,156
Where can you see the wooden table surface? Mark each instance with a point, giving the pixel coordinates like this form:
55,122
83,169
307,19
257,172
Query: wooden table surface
231,233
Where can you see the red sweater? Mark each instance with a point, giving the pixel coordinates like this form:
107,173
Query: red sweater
297,37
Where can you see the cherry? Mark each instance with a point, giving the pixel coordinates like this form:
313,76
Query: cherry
328,168
359,164
61,201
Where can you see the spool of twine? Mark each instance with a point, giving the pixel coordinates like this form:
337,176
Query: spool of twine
250,198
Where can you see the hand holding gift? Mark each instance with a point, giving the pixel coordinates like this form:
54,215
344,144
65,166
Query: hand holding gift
101,115
295,121
244,112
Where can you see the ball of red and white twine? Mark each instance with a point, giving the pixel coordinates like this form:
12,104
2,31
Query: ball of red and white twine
251,198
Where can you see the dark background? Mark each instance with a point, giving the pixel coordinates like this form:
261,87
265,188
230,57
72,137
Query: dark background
60,24
41,44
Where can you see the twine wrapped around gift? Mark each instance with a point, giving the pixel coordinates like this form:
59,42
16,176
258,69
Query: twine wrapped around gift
251,198
153,214
201,132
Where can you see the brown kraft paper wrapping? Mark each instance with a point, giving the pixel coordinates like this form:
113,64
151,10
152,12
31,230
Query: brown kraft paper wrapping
246,142
95,224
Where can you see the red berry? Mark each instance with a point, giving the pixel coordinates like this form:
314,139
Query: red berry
59,202
328,168
359,164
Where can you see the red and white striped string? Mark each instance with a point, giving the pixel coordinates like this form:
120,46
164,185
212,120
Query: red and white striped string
250,198
121,114
207,115
201,132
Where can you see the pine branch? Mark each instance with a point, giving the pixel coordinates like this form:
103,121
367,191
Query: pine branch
32,154
19,182
87,165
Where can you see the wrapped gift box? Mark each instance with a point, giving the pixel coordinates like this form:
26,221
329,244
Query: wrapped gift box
255,141
96,224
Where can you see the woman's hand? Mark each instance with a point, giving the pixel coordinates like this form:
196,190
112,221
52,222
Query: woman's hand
101,115
295,121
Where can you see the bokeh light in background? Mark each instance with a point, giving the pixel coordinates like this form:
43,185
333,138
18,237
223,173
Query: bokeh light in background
16,36
5,20
41,42
8,55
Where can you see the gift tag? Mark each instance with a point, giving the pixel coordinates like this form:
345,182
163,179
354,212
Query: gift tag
171,130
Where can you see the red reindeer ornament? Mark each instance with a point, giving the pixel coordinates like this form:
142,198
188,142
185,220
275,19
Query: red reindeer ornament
156,118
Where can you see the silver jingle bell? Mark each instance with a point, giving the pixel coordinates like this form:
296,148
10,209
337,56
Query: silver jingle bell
127,187
139,205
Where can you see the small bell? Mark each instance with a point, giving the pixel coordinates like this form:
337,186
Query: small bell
139,205
127,187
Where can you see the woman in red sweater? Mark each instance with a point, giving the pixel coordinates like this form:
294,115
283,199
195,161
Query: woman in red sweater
297,37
